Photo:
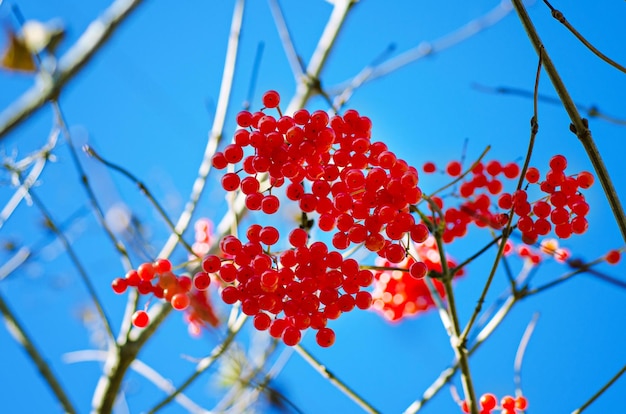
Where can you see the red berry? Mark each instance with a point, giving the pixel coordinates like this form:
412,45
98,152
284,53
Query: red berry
162,266
119,285
532,175
418,270
211,264
230,181
558,163
613,257
270,204
454,168
271,99
146,271
201,280
521,403
262,321
488,401
325,337
429,167
585,179
269,235
140,319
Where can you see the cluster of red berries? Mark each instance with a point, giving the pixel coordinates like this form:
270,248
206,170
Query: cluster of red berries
508,404
476,191
398,294
359,188
292,291
180,290
564,207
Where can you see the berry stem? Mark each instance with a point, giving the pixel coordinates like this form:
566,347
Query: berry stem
580,125
332,378
21,336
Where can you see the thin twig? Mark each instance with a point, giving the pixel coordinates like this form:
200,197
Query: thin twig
344,91
91,290
142,369
48,87
591,111
18,332
332,378
285,38
579,126
521,350
534,128
600,391
144,189
561,18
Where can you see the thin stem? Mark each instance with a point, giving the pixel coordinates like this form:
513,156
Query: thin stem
459,346
600,391
521,350
332,378
19,333
534,128
579,126
561,18
142,187
91,290
285,38
119,246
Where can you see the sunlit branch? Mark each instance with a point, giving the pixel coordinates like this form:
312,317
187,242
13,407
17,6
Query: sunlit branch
285,38
142,369
424,49
521,350
47,87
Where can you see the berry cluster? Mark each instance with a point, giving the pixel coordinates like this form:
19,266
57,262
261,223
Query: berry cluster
564,206
286,293
361,190
476,190
329,166
562,209
508,404
182,291
398,294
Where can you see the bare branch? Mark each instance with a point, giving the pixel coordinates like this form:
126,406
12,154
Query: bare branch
48,86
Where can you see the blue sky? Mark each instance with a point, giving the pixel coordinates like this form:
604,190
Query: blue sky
146,102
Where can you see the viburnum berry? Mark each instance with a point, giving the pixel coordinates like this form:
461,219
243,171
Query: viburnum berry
488,401
453,168
201,281
613,257
271,99
119,285
325,337
140,319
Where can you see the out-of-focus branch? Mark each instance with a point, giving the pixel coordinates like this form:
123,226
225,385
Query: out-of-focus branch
142,369
424,49
285,38
48,86
18,332
591,111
